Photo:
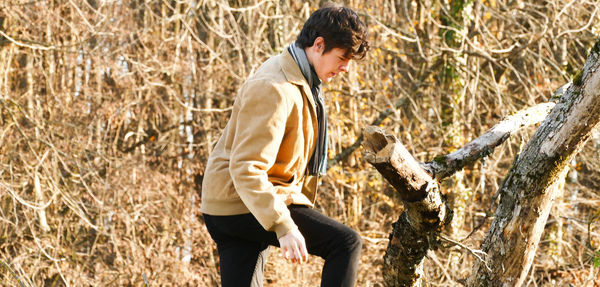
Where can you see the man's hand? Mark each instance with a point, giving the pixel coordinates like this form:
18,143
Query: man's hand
293,246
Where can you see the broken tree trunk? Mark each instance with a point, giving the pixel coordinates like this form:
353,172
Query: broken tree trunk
529,190
425,212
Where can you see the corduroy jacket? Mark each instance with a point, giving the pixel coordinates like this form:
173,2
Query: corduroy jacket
259,164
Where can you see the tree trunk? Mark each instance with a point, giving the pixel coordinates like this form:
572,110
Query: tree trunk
529,190
425,212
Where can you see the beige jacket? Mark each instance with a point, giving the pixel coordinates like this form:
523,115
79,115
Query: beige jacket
259,164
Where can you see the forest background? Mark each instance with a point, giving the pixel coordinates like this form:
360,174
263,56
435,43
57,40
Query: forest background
110,108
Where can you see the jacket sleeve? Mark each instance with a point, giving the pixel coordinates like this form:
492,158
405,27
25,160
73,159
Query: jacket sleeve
259,130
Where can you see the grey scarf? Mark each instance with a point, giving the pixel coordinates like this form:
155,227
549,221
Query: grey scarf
318,161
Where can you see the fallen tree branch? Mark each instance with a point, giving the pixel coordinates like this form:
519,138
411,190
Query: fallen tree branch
446,165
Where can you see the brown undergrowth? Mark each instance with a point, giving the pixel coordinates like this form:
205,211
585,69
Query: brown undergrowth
109,110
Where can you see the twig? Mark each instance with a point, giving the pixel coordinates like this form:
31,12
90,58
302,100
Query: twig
437,262
476,252
12,272
382,116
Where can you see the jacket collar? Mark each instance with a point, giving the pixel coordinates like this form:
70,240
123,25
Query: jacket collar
294,75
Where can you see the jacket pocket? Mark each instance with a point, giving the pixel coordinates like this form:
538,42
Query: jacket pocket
310,186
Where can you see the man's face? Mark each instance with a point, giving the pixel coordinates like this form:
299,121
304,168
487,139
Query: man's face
331,63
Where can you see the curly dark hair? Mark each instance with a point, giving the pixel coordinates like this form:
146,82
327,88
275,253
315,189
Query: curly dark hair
340,27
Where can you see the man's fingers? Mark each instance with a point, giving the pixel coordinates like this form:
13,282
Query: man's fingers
293,247
290,254
286,253
297,255
300,252
303,252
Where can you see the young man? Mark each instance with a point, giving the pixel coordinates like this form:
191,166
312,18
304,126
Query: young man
261,178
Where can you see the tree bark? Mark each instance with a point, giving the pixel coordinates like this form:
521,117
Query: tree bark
529,190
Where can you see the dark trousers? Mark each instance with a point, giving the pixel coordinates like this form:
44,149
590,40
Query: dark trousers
243,246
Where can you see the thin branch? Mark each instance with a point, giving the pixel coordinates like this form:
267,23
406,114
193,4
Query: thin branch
346,152
476,252
444,166
12,272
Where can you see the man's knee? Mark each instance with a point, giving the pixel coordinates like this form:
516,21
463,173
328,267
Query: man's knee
357,240
352,241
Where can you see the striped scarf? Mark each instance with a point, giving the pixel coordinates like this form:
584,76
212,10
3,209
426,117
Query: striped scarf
318,161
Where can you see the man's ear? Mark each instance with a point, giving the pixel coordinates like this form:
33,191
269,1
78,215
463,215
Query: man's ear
319,45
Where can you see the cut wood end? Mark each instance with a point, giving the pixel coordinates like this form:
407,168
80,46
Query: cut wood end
376,139
369,157
373,158
387,151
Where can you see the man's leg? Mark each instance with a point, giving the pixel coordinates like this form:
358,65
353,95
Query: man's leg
242,264
243,248
338,244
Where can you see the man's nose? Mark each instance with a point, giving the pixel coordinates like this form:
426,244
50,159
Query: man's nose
344,67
